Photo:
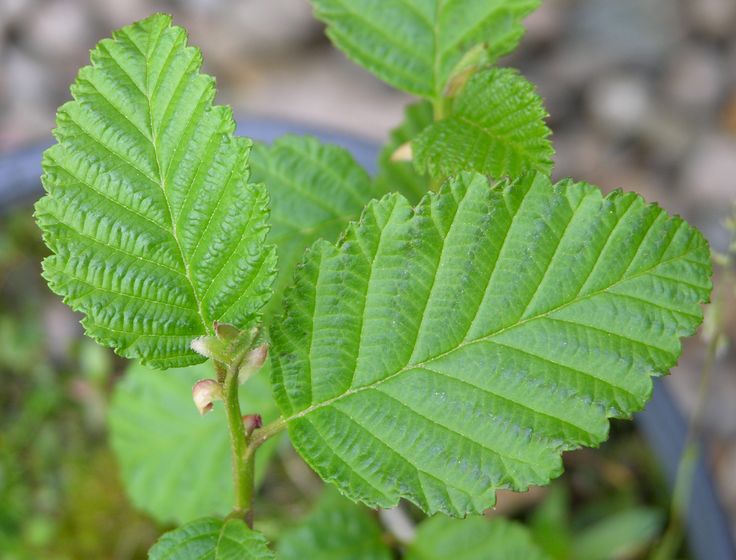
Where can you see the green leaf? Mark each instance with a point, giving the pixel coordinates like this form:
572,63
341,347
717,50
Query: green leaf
475,538
401,176
212,539
550,523
154,229
175,464
316,189
496,128
443,352
336,529
416,46
622,535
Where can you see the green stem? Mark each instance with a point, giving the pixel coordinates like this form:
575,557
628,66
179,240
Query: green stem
439,107
260,435
242,459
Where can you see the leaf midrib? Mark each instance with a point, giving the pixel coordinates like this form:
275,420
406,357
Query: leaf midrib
162,179
490,336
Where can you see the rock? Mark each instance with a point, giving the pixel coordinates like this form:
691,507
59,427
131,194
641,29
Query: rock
715,18
25,111
10,12
695,78
710,172
619,103
113,14
634,31
271,25
250,30
321,87
668,135
729,112
25,79
58,31
546,23
578,152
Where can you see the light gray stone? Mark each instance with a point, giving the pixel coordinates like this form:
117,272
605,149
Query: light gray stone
710,172
716,18
619,104
60,30
695,78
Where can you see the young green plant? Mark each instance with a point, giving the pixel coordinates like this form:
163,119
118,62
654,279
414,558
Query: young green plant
433,346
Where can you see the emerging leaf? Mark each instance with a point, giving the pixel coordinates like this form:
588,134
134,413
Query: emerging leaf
496,128
336,529
315,188
476,538
175,464
443,352
212,539
394,175
154,229
416,46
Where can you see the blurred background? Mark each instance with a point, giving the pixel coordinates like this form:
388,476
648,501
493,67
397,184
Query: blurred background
642,96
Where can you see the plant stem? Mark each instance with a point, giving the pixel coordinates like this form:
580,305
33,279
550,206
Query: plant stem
438,106
242,460
268,431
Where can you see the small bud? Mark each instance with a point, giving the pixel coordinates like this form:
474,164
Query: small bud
204,393
252,422
211,347
253,361
402,153
226,332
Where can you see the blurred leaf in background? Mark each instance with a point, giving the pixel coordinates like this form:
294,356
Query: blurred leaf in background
60,498
175,463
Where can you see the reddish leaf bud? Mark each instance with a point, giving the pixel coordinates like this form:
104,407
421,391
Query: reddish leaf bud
252,422
204,393
253,361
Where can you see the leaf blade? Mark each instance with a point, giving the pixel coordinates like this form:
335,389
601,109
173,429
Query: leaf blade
145,188
315,189
336,528
475,538
438,397
151,461
238,542
210,538
415,46
496,128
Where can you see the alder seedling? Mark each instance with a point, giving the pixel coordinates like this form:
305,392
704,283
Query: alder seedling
438,332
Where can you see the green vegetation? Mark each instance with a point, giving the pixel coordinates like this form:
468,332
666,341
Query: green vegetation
434,346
